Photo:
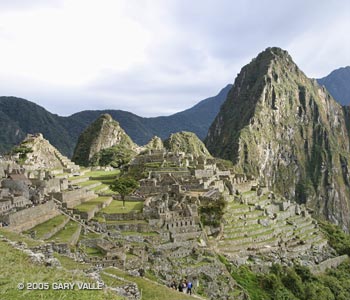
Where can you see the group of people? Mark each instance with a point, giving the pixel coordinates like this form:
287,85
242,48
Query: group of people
184,286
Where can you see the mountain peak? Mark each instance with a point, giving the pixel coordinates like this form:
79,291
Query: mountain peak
102,134
281,127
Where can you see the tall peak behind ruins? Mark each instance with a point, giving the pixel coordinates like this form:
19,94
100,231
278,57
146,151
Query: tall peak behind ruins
102,134
186,142
286,130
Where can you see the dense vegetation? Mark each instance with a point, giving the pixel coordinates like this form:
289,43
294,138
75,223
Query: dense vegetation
298,283
115,156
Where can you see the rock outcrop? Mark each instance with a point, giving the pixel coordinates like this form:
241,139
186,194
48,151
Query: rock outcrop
155,143
104,133
286,130
186,142
37,152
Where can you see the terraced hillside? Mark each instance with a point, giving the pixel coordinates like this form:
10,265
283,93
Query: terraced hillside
271,229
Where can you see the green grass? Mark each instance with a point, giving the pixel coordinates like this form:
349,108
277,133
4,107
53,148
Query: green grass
93,252
47,226
140,233
90,235
150,290
17,268
102,174
97,174
87,183
99,187
64,235
112,282
71,264
126,222
116,207
19,237
91,204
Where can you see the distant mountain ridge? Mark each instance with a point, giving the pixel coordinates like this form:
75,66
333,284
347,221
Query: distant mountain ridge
19,117
338,84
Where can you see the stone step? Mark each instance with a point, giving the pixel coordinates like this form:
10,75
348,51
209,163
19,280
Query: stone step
242,233
232,248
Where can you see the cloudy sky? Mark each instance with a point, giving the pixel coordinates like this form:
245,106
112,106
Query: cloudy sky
156,57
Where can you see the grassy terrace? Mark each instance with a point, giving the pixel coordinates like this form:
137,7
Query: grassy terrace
17,268
64,235
98,174
140,233
19,237
71,264
116,207
91,204
150,290
112,222
87,183
47,226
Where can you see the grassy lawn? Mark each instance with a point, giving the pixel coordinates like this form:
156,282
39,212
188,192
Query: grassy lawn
19,237
91,204
150,290
64,235
126,222
71,264
87,183
17,268
116,207
93,251
47,226
89,235
112,282
139,233
102,174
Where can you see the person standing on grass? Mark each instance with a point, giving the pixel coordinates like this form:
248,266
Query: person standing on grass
189,287
184,286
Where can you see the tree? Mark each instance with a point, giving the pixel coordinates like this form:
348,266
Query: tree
124,186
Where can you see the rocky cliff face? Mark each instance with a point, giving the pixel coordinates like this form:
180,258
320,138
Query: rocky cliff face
102,134
186,142
288,131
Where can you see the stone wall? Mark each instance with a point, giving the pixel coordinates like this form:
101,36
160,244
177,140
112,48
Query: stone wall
203,173
124,217
54,230
49,186
140,227
30,217
75,237
74,197
329,264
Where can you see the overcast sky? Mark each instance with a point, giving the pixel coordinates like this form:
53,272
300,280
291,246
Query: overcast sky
156,57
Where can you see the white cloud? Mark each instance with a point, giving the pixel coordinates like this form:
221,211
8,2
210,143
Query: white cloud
156,57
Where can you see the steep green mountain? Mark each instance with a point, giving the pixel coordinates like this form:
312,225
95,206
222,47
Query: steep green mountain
338,84
19,117
102,143
186,142
286,130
